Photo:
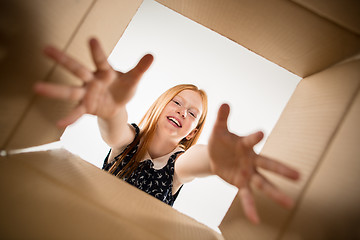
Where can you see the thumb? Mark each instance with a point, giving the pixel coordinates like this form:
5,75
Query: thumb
222,117
253,139
143,65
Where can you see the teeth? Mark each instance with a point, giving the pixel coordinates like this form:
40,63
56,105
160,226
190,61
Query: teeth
175,121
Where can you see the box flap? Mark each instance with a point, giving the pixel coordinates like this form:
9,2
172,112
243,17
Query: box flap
281,31
30,26
300,139
56,195
329,208
346,13
29,120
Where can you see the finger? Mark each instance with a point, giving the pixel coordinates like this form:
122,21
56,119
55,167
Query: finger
248,204
74,115
99,55
59,91
222,117
69,63
142,66
253,139
271,191
276,167
241,179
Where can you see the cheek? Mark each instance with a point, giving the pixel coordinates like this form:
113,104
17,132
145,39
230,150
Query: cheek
168,108
192,123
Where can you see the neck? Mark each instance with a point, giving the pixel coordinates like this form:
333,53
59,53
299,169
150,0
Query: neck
161,146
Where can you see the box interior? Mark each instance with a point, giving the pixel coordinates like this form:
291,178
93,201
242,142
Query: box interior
317,130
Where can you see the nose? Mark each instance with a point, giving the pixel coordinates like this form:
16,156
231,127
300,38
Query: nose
182,111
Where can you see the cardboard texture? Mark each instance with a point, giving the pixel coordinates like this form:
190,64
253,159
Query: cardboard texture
283,32
300,138
39,115
345,13
329,208
55,195
29,27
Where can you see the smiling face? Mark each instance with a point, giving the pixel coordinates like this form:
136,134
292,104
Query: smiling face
181,115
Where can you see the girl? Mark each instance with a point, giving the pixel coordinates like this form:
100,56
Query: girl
161,156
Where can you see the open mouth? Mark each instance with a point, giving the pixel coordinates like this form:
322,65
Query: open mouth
175,121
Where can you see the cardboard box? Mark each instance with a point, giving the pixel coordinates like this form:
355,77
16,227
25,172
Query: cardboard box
56,195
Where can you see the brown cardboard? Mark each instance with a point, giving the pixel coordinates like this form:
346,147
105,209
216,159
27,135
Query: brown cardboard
329,208
39,115
277,38
345,13
30,25
300,138
283,32
56,195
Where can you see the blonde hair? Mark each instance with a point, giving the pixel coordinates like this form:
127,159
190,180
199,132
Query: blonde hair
148,126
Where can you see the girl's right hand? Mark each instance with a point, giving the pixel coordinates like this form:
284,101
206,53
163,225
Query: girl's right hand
104,91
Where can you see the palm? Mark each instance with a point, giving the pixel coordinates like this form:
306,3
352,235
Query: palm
108,91
234,160
235,166
104,91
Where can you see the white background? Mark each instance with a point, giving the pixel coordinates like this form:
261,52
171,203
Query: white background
186,52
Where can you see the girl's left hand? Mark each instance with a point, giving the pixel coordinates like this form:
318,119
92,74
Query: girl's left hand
234,160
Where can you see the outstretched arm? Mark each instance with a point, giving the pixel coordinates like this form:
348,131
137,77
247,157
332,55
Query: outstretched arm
104,93
232,158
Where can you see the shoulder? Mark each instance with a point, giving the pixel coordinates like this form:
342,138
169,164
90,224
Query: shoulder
136,128
132,133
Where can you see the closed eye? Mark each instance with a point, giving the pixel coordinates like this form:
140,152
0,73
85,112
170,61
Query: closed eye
192,114
176,102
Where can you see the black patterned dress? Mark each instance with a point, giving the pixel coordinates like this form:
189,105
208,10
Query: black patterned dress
156,182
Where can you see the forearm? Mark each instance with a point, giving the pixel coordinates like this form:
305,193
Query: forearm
115,131
194,163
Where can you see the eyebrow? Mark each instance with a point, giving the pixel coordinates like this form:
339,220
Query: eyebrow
198,111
